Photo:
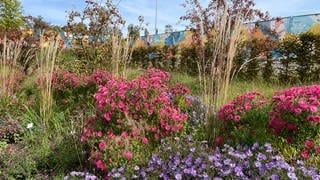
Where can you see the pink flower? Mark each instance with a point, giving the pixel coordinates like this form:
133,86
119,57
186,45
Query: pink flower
99,134
100,165
128,155
237,118
145,140
313,109
124,134
156,136
107,116
102,145
308,144
317,149
305,154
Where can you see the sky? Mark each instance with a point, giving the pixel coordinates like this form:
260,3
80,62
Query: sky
169,11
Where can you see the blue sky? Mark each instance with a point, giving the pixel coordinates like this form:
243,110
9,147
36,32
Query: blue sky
169,11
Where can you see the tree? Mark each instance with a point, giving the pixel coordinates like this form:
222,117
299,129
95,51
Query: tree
98,21
10,14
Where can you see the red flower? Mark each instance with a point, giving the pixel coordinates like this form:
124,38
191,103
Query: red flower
308,144
305,154
289,140
219,140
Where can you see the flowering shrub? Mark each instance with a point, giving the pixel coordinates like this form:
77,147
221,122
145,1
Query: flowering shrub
131,115
233,110
184,158
244,119
99,77
64,80
295,116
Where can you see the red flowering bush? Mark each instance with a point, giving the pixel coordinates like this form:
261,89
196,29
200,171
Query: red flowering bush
99,77
131,115
244,119
233,110
64,80
295,116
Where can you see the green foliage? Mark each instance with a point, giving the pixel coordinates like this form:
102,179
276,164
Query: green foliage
252,128
267,72
10,14
169,58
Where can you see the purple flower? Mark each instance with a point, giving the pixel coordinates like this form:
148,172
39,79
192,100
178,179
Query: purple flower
274,177
257,164
178,176
268,147
255,146
238,171
116,175
227,162
211,158
261,157
269,165
292,176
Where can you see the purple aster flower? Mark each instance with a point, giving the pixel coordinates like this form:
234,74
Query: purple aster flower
261,157
270,165
211,158
193,172
218,164
291,169
178,176
143,173
292,176
257,164
116,175
262,170
268,147
238,171
255,146
217,178
198,161
300,163
274,177
121,169
249,153
189,138
227,162
246,164
226,172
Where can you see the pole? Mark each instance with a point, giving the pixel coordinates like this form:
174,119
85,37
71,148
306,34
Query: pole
156,18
